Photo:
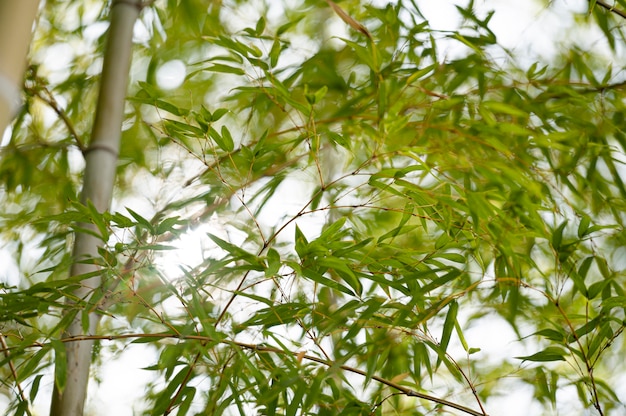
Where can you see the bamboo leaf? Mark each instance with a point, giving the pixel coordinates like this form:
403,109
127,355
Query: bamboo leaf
318,278
33,362
557,235
141,220
549,354
60,366
228,140
226,69
233,250
448,327
583,226
504,108
224,142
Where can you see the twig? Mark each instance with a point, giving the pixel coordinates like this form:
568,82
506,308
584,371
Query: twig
183,383
610,8
593,389
349,19
49,99
5,349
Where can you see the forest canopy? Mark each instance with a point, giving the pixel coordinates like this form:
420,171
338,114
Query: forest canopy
316,207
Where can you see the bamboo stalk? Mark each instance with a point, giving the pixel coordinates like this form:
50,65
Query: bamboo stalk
101,163
16,26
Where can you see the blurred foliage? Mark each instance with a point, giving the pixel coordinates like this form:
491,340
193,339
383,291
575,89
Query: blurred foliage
362,203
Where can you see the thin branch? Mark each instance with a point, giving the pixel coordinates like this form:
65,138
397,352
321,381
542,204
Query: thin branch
49,99
183,384
593,389
5,349
610,8
469,382
349,19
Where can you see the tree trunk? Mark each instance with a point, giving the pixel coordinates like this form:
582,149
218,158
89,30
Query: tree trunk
101,164
16,26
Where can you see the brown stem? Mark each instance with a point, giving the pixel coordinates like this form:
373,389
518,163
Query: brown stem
589,367
183,383
5,349
46,96
610,8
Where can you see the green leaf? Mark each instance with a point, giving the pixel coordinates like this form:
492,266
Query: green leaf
318,278
614,302
273,263
583,226
181,129
260,26
171,108
168,224
164,398
141,220
366,56
226,69
603,266
579,279
33,362
459,332
448,327
228,140
60,365
552,334
149,89
341,268
34,387
504,108
218,114
455,257
549,354
235,251
301,389
420,73
223,142
557,235
332,231
277,315
275,52
188,394
69,316
301,243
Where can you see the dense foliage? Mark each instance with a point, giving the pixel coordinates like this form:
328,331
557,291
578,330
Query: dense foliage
362,203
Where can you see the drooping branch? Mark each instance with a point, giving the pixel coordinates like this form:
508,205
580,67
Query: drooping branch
261,349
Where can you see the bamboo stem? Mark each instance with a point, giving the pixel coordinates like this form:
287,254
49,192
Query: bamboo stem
101,164
16,27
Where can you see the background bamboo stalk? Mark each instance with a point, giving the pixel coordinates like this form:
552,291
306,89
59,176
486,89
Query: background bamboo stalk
101,163
16,24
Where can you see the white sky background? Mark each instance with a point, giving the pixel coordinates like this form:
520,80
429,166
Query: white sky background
526,27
